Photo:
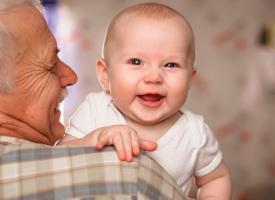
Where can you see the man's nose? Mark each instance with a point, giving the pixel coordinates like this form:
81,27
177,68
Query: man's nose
66,74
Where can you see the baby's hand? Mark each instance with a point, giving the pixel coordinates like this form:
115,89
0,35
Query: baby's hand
125,140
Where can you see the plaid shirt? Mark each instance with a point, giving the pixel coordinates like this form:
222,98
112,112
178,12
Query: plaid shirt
35,171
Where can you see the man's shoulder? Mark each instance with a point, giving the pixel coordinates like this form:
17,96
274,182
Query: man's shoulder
73,172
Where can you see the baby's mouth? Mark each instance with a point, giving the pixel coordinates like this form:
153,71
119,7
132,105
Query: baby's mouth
151,97
151,100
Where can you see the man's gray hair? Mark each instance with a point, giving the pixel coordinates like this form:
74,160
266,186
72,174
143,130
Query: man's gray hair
5,4
8,48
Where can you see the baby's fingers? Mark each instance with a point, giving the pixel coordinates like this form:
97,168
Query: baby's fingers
120,147
135,144
103,140
127,138
147,145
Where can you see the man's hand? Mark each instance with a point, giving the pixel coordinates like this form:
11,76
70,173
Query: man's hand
125,139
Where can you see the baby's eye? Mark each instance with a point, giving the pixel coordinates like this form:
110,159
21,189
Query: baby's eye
171,65
135,61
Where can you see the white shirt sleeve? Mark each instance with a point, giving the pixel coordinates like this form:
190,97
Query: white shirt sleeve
209,155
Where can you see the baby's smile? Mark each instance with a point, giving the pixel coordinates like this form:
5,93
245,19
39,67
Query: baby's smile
151,100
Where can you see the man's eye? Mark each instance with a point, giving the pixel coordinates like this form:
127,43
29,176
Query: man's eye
51,68
135,61
171,65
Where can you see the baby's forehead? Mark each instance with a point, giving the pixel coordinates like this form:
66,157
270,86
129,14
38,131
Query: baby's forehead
133,25
139,27
126,21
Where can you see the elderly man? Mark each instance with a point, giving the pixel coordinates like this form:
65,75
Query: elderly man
32,84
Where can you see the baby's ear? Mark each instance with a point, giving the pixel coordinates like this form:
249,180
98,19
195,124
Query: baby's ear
192,76
102,74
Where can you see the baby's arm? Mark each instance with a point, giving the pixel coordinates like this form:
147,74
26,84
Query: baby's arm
216,185
123,137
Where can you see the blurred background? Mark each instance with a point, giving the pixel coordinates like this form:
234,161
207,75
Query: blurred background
235,86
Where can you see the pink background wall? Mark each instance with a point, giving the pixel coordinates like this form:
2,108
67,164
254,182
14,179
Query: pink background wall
233,90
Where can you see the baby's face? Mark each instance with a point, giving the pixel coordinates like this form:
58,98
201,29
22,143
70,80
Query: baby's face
150,67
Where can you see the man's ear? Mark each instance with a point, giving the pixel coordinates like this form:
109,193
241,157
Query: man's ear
102,74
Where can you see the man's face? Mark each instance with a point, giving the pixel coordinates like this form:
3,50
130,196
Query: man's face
40,76
149,67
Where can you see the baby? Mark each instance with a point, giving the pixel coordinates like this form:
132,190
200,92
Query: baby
146,71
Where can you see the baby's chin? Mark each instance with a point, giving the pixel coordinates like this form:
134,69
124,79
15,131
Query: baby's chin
156,118
147,121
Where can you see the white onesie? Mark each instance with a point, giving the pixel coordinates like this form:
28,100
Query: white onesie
188,148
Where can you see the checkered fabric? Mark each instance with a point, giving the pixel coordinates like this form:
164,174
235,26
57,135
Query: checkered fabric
34,171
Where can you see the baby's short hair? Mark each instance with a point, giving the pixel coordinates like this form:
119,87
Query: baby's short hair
149,10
